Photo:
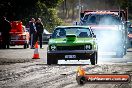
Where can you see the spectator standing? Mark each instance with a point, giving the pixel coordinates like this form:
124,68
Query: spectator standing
5,30
32,31
39,28
0,33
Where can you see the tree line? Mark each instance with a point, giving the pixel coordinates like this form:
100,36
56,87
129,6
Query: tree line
55,12
24,10
70,10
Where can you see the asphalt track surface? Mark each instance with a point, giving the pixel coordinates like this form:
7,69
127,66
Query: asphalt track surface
19,70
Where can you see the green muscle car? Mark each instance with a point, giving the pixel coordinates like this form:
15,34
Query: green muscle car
72,43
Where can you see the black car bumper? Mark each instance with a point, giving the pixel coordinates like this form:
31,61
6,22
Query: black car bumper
71,55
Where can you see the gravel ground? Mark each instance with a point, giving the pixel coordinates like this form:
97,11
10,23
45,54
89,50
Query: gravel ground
19,70
39,75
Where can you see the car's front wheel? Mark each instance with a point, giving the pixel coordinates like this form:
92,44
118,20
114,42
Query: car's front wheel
94,58
48,61
51,60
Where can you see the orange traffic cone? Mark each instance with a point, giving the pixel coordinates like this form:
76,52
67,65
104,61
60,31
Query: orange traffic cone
81,71
36,53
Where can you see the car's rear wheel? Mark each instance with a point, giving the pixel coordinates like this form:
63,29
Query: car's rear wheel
28,45
25,46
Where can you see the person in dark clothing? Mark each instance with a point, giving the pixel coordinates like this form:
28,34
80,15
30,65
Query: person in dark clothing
32,32
5,30
0,34
39,28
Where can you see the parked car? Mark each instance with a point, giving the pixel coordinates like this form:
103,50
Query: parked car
19,34
72,43
46,36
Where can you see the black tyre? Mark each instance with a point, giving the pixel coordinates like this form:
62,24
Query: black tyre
94,58
51,60
55,61
25,46
81,80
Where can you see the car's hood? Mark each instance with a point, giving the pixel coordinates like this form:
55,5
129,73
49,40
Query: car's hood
76,41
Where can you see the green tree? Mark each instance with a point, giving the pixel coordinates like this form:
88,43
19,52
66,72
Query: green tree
25,9
48,15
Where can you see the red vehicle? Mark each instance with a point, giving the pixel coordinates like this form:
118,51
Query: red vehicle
19,34
110,28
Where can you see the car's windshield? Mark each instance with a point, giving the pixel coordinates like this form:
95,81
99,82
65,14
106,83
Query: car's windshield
101,19
78,31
